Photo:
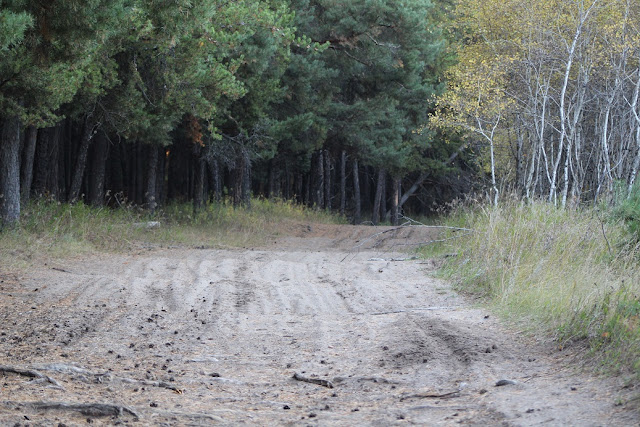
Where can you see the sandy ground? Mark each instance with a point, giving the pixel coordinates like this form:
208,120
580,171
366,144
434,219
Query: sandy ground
206,336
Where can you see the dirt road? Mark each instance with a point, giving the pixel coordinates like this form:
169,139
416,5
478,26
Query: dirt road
209,336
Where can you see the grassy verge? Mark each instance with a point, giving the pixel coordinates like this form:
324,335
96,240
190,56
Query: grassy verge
567,273
51,229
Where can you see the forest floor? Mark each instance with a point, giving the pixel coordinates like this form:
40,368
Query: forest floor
322,327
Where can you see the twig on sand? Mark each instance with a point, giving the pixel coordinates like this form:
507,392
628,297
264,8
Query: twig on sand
455,393
446,227
408,310
108,376
411,223
160,384
363,379
89,409
31,374
317,381
192,415
435,240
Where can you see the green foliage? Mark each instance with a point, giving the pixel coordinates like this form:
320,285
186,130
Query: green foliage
363,83
13,26
627,208
553,270
49,51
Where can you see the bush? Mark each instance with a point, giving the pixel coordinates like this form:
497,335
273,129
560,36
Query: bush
555,271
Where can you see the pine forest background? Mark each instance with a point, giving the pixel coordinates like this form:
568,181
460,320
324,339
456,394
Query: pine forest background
366,107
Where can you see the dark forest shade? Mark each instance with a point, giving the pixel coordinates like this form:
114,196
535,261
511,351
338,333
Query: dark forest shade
231,99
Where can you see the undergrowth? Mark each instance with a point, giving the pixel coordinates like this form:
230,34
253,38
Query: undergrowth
572,273
53,229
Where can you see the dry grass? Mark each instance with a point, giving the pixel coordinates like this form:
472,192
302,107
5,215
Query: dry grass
561,272
55,230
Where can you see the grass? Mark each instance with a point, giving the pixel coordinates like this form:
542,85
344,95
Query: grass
569,274
57,230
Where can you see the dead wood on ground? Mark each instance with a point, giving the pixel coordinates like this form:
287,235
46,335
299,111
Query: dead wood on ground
317,381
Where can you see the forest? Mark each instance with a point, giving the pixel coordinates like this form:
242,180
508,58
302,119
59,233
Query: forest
365,108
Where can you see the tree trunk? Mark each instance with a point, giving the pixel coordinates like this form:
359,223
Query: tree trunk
10,172
343,182
327,180
214,172
356,193
198,194
98,166
395,198
246,179
54,149
366,189
152,179
319,190
299,188
383,199
81,161
28,156
375,217
307,190
42,161
272,179
160,191
139,174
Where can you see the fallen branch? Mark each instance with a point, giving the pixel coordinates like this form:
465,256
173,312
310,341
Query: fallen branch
192,415
363,379
455,393
75,370
160,384
30,373
88,409
446,227
317,381
412,309
433,241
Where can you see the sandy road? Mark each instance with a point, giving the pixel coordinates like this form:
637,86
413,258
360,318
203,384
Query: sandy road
207,336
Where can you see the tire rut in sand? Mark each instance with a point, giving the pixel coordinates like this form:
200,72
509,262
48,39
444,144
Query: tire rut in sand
230,328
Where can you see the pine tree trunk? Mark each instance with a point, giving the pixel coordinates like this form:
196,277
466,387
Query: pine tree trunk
383,200
272,180
53,174
319,190
81,161
152,178
9,172
236,178
299,188
343,182
214,177
287,182
42,161
198,194
307,190
160,191
395,198
246,179
356,193
139,174
366,189
327,180
28,157
375,217
98,166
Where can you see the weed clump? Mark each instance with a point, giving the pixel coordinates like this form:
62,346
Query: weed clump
52,229
568,272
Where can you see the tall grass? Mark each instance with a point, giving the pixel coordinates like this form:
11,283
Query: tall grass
52,229
571,274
